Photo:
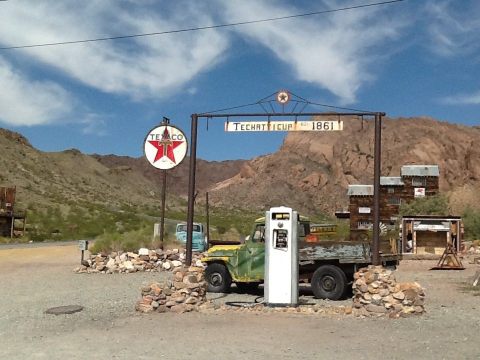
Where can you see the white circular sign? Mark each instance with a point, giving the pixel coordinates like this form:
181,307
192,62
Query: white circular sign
283,97
165,147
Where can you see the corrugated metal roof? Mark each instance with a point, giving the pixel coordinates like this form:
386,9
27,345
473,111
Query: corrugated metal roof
420,170
391,181
360,190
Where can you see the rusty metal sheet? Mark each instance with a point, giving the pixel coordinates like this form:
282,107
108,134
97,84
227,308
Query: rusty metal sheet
7,198
347,252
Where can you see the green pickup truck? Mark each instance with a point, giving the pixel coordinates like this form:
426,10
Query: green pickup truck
328,265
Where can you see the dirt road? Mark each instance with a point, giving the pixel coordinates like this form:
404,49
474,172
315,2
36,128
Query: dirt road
33,280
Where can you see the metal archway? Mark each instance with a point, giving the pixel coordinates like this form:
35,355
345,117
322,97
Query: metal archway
213,115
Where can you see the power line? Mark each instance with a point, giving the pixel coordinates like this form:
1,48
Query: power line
202,27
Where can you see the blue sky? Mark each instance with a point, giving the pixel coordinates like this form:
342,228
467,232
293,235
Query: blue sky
414,58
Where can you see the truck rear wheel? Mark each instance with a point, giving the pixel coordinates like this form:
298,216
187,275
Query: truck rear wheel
218,278
328,282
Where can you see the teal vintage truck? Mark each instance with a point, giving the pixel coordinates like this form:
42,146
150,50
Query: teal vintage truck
199,240
328,265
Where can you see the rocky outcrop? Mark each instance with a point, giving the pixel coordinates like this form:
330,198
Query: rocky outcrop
312,170
377,293
185,292
143,260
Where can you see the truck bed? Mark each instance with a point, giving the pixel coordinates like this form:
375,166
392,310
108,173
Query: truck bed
343,251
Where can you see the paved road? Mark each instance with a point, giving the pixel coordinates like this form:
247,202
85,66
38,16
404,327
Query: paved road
38,244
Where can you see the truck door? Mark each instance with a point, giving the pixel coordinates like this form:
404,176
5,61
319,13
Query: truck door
256,253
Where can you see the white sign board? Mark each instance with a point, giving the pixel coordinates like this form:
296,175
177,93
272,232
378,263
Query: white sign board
311,125
364,210
165,147
419,192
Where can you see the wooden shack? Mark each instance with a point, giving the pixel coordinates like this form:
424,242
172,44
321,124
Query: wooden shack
415,181
12,223
430,234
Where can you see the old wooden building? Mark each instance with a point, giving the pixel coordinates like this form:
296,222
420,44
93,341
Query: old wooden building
414,181
12,222
430,234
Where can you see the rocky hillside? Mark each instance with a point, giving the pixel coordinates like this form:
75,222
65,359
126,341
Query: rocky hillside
312,171
208,172
70,178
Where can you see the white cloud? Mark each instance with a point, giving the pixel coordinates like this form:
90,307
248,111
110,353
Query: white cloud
94,124
463,99
334,51
24,101
454,29
140,68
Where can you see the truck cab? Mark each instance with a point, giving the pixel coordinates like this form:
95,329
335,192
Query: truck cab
198,236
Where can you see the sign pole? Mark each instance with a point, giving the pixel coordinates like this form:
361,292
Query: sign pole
165,121
208,219
191,188
162,214
376,190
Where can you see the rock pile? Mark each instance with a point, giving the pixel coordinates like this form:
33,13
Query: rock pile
186,292
376,293
144,260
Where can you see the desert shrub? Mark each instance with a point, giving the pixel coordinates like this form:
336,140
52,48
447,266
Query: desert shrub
343,230
106,243
8,240
132,241
471,220
80,221
430,205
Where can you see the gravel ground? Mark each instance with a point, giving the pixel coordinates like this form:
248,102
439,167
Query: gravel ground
33,280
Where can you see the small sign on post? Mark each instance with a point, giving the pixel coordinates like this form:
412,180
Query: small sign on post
83,246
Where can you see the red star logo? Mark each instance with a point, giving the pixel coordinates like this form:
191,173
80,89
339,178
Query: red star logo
165,146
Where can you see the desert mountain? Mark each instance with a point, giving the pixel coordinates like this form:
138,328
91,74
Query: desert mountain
70,177
310,172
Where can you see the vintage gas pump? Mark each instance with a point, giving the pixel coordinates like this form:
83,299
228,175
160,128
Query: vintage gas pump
281,257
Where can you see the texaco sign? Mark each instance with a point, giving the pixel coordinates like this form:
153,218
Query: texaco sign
165,147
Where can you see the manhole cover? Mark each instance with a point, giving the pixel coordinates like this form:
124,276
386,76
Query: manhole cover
68,309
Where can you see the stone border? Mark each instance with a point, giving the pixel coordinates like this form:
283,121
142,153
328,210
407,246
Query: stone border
143,260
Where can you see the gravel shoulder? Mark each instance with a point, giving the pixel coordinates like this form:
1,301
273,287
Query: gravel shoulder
35,279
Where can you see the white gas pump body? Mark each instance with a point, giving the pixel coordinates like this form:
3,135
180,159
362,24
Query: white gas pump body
281,257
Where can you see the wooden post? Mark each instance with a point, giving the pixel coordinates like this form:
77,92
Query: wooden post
12,225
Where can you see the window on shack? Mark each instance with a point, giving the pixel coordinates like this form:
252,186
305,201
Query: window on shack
394,200
364,225
419,181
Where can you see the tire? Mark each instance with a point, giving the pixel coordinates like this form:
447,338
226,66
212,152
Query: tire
328,282
218,278
247,287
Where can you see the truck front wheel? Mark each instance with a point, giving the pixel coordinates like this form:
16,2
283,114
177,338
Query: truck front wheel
218,278
328,282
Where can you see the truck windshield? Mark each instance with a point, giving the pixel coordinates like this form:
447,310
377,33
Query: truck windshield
183,227
259,234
